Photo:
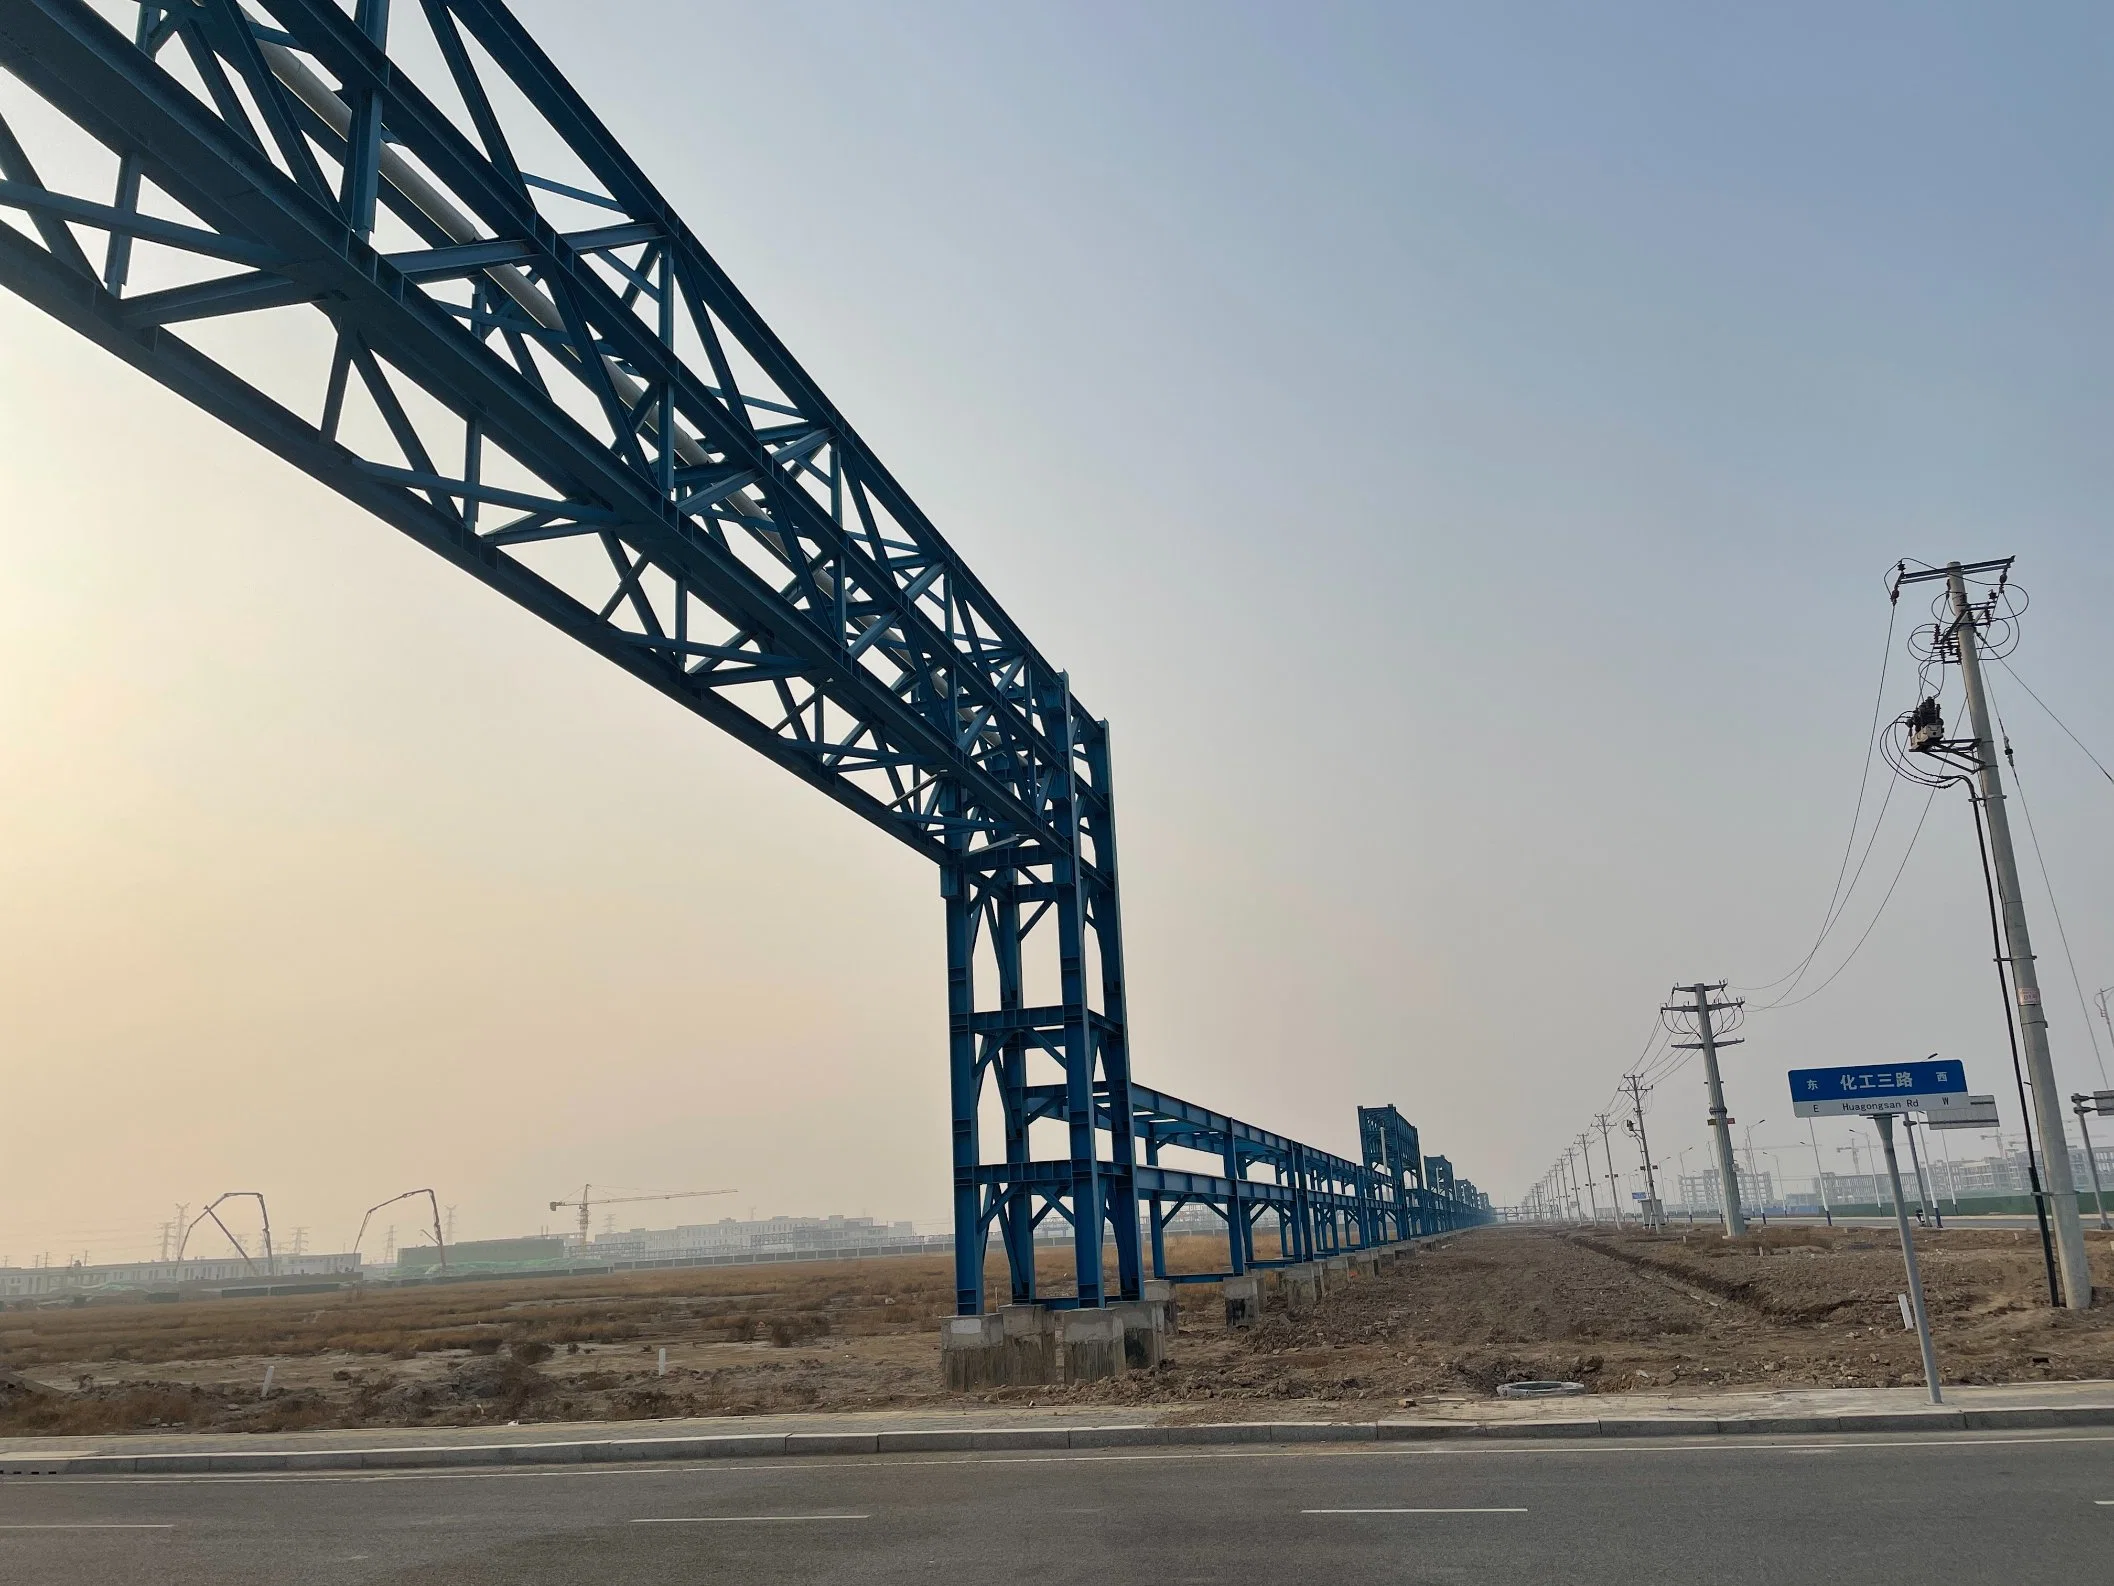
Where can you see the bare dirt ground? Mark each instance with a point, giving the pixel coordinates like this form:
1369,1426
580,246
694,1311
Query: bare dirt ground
1617,1311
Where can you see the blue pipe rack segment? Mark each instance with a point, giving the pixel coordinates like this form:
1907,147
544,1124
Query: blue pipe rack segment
505,364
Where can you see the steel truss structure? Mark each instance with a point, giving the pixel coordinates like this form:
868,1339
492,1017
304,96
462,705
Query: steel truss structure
406,257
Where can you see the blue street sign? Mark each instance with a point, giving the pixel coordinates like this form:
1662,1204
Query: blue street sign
1869,1088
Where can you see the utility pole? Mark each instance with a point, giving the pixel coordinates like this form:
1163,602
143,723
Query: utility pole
1592,1195
1708,1041
1644,1146
1614,1182
1585,1152
2018,949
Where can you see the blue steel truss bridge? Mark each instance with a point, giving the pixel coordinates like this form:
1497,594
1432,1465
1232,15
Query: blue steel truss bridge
394,246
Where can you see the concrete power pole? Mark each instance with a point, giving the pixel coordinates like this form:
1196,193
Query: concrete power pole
1708,1041
1584,1148
1651,1185
2018,948
1635,1123
1600,1122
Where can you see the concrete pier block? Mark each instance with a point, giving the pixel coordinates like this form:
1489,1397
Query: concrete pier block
1365,1263
1031,1356
1301,1287
1144,1332
1158,1291
1244,1300
972,1350
1335,1273
1092,1343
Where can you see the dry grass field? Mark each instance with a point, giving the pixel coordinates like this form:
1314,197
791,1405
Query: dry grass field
1614,1310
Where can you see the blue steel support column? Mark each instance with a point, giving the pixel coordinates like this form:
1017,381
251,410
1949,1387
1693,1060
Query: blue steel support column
1302,1235
1237,1249
1112,1034
1077,1042
1017,1200
964,1083
1159,1224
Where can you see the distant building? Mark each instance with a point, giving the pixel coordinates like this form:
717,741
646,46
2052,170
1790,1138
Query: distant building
482,1255
120,1276
1699,1191
732,1239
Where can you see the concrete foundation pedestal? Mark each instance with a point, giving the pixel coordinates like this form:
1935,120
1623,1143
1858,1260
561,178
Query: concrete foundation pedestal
1092,1343
1031,1356
1158,1291
972,1353
1301,1287
1027,1346
1144,1332
1244,1300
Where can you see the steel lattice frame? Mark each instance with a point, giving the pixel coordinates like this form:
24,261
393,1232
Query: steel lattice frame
521,358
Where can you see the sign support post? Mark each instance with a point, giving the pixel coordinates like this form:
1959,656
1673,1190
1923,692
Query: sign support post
1937,1088
2098,1101
1885,1121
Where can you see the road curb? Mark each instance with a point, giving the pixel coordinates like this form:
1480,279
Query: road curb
1045,1439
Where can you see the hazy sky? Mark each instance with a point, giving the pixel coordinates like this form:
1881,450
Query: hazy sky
1458,447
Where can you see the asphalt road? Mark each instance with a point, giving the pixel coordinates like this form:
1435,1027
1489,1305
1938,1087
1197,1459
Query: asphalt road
1963,1508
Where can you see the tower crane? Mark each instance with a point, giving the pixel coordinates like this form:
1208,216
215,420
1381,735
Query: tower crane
589,1199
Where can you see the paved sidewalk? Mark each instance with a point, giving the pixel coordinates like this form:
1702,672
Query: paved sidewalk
1788,1411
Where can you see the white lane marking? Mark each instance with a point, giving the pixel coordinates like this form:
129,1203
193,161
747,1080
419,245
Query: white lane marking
1412,1511
98,1525
1445,1449
2104,1503
743,1519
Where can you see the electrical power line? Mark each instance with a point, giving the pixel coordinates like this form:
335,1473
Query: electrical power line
2062,932
2073,737
1876,914
1838,899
